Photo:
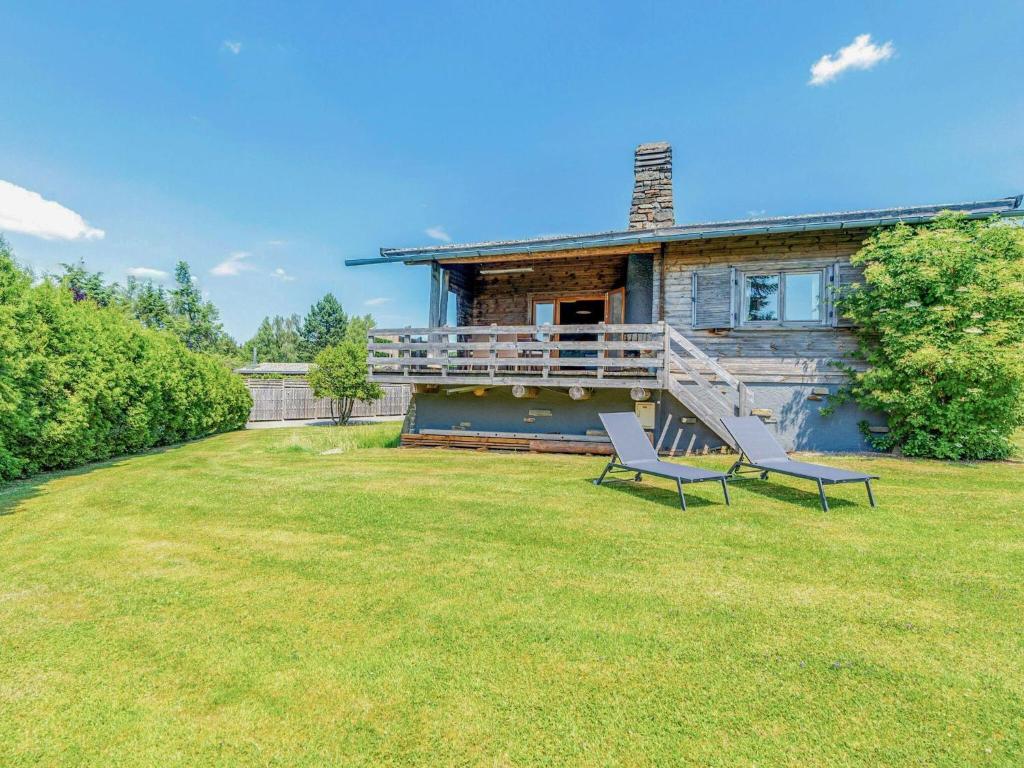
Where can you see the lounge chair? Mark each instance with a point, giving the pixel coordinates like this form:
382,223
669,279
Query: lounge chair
634,453
764,454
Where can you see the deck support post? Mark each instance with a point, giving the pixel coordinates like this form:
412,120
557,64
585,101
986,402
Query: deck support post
666,368
743,399
437,295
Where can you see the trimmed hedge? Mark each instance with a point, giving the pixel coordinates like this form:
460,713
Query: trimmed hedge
80,382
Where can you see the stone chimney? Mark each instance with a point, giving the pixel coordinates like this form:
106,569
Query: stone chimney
652,187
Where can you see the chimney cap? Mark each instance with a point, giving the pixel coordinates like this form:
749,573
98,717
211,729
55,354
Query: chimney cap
653,146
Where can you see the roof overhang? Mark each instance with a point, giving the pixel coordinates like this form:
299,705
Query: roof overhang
639,241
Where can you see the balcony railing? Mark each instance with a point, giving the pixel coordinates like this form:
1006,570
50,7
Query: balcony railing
621,355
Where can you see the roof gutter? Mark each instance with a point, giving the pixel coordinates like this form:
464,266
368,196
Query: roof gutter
661,236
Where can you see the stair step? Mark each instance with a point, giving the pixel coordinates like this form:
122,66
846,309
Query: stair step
709,415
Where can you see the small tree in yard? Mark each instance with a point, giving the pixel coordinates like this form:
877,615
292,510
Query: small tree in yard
340,373
940,321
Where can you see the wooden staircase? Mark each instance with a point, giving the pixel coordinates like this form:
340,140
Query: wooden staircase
702,385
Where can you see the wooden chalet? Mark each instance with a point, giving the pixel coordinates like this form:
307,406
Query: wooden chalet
529,340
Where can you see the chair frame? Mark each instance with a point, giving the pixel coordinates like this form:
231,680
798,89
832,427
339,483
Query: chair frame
763,470
615,466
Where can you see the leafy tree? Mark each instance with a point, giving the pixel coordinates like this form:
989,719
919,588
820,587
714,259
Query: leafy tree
150,304
182,310
940,321
324,325
277,340
84,284
197,321
340,373
359,327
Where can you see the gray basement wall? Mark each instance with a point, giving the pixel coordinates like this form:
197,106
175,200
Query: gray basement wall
795,416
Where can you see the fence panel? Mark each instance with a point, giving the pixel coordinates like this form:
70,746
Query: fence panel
292,398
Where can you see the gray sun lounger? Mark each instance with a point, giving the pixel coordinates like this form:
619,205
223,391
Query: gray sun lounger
764,454
635,454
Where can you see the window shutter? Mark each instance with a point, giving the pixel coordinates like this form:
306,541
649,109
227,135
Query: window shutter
713,297
843,275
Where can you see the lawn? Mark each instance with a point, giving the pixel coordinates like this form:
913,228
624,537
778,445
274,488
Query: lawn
252,600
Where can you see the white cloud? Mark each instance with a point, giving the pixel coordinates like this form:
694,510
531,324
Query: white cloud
280,274
438,233
277,243
22,210
233,265
147,273
860,54
377,301
232,46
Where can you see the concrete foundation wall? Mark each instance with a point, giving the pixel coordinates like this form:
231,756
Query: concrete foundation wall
795,418
498,411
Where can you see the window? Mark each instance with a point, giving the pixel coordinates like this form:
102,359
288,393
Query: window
782,297
760,298
543,314
801,293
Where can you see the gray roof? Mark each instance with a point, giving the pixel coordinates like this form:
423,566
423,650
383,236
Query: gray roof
281,369
1005,206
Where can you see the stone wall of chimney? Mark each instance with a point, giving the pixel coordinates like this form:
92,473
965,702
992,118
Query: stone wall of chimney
652,205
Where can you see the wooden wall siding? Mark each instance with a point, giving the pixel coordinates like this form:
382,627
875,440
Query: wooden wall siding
848,274
783,354
505,299
461,282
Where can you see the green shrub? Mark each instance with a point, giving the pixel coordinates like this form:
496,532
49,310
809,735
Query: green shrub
340,373
940,321
81,382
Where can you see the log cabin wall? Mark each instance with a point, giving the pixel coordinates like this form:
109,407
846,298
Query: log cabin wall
762,354
461,282
504,299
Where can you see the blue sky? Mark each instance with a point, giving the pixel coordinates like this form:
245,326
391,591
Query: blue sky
264,143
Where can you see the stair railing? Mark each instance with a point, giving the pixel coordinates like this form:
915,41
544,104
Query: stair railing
742,396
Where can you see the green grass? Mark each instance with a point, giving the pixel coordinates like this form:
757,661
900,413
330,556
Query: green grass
251,600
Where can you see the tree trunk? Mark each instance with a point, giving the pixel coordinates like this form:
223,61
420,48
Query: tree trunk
341,410
346,410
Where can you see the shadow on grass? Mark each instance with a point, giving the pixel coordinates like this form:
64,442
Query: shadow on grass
788,494
666,497
15,492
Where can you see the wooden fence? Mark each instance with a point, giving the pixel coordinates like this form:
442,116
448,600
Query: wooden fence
292,398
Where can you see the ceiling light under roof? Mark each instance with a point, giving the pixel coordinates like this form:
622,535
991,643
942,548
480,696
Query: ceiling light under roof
505,271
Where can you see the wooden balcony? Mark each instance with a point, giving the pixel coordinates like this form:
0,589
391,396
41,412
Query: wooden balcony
617,356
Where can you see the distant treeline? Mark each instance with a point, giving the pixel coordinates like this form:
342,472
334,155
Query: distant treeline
297,339
182,310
